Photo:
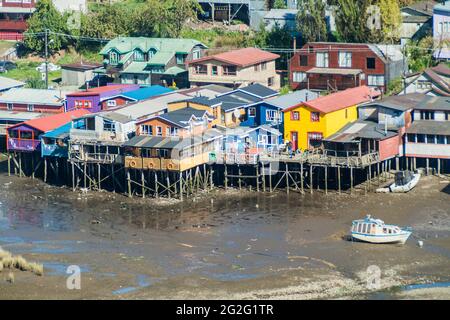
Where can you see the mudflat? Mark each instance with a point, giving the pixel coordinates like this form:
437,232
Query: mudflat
234,245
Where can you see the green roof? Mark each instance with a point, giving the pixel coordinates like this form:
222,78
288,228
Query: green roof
127,44
125,58
136,67
161,58
174,71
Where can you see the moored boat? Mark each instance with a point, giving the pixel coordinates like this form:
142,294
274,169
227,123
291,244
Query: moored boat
405,181
376,231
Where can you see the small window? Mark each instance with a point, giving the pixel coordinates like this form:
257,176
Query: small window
440,139
252,112
303,60
264,66
30,107
256,67
295,115
315,116
431,138
214,71
109,126
270,81
411,137
299,77
111,103
322,59
370,63
181,58
10,106
420,138
159,131
196,54
346,113
146,130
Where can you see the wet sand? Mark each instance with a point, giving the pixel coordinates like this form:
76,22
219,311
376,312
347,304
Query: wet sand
236,245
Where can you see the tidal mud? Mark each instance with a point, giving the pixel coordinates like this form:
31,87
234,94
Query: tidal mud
238,245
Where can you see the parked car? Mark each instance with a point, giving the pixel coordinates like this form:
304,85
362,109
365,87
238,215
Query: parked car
5,66
100,81
51,67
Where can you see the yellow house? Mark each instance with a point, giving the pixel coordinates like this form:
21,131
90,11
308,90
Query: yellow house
308,123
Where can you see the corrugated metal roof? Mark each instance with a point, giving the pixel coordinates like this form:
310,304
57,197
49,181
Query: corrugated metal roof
293,99
146,93
430,127
7,83
34,96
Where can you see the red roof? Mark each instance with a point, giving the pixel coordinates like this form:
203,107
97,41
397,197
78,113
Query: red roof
52,122
98,90
341,100
241,57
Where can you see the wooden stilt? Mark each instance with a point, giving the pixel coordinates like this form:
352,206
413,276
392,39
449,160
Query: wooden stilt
45,169
99,176
9,164
257,177
287,177
143,184
311,179
181,186
157,185
351,180
301,177
263,178
168,184
239,178
326,180
73,175
129,183
226,178
270,177
20,164
339,179
32,166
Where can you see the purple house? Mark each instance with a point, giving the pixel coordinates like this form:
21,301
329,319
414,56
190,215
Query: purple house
94,99
441,29
25,136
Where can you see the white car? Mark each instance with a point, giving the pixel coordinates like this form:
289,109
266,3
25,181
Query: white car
51,67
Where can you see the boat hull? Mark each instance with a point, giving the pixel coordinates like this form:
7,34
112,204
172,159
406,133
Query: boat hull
407,187
371,238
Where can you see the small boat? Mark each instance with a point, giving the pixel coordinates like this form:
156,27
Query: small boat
376,231
405,181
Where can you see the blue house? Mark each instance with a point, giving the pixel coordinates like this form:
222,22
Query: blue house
251,140
133,96
55,143
270,111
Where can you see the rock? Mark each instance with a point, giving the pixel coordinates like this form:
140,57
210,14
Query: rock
420,243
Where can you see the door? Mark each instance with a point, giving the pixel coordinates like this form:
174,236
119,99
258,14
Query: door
294,140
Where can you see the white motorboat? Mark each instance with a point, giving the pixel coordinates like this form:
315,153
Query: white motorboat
376,231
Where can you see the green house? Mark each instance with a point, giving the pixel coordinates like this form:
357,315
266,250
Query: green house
150,61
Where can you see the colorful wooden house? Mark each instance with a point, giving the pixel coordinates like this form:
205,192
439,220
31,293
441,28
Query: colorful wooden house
141,94
179,123
172,153
55,143
33,100
308,123
379,130
25,137
270,111
97,137
150,61
250,140
93,99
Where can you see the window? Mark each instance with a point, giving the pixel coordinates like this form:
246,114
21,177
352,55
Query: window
375,80
272,115
214,71
162,153
295,115
262,139
256,67
26,135
181,58
299,76
315,116
411,137
159,131
346,113
196,54
114,57
109,126
200,69
440,139
303,60
315,139
431,138
252,112
270,81
345,59
146,130
83,104
138,55
420,138
30,107
9,106
322,59
264,66
423,84
151,53
173,131
447,115
426,115
370,63
229,70
111,103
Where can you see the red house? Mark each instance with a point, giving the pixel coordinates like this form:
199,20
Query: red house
13,18
325,66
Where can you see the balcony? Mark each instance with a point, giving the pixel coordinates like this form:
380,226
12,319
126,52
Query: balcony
11,25
28,145
53,150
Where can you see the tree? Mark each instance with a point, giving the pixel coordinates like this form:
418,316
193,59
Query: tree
352,20
311,20
45,17
279,4
420,54
391,19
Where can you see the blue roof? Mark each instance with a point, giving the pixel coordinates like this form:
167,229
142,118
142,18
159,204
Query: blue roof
146,93
60,132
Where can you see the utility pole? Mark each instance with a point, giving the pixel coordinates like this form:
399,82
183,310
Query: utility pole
46,59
